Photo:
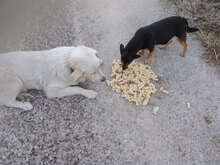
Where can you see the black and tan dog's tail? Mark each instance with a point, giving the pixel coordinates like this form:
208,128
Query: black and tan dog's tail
191,29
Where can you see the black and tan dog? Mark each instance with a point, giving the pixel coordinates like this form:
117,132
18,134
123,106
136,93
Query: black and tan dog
161,33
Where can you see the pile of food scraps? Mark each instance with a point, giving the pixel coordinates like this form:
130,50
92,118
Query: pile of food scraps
134,82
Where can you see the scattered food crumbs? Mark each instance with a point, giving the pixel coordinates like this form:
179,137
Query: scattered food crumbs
188,105
164,91
133,83
155,110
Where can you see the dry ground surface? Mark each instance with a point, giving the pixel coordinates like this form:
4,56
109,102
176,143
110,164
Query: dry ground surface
108,129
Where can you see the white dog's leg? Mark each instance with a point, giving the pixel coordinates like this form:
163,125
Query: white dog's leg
10,86
21,105
69,91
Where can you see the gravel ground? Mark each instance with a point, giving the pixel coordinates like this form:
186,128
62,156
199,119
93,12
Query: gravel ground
108,129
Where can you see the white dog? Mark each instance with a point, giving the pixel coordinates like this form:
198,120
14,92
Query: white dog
54,71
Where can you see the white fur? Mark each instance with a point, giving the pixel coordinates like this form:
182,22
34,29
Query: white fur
49,70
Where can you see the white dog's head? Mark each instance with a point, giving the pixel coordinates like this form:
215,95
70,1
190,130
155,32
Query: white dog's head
84,64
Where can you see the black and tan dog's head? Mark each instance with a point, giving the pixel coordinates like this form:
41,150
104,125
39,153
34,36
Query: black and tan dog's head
127,57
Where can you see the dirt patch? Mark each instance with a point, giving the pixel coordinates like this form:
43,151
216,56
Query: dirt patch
207,120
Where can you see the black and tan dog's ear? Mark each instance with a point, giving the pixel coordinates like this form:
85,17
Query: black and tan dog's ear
136,56
122,48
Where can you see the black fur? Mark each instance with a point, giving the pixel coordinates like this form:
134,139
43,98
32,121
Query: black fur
160,32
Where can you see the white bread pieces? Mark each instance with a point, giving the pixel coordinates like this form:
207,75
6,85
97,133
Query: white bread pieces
155,110
134,82
188,105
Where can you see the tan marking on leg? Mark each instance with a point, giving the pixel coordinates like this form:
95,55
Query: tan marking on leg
184,44
141,52
149,56
165,45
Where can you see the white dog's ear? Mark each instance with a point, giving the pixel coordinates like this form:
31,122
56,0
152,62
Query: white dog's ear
75,62
75,75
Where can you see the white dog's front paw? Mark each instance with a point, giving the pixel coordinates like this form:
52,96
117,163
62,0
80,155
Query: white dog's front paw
27,106
91,94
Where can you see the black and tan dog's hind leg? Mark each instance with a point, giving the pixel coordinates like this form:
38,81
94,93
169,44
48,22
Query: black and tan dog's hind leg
184,44
150,55
165,45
